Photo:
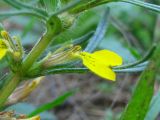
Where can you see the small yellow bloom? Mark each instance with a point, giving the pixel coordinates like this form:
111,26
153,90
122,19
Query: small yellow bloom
100,62
3,49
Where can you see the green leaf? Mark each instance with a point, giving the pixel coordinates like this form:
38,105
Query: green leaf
51,5
1,27
139,104
26,108
140,61
20,5
2,79
85,23
85,26
154,109
65,1
10,2
28,27
88,4
134,52
94,3
152,7
68,7
83,70
23,12
77,41
58,101
99,34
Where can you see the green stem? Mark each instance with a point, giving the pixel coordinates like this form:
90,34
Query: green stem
53,28
9,88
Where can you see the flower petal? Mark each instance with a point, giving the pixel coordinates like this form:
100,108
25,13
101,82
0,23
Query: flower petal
2,53
99,69
107,57
3,49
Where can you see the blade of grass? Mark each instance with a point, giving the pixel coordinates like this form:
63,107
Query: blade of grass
139,104
152,7
77,41
70,6
56,102
28,27
143,59
24,12
99,34
154,108
10,2
20,5
51,5
90,4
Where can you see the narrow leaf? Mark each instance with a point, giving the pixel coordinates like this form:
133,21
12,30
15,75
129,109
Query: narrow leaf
20,5
51,5
16,13
152,7
58,101
154,109
99,34
84,70
139,104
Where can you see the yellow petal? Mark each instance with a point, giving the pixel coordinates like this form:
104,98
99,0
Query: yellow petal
3,49
107,57
2,53
99,69
99,62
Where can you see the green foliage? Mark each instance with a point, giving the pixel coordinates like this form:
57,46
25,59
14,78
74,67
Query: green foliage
144,5
140,101
50,5
82,22
154,108
58,101
26,108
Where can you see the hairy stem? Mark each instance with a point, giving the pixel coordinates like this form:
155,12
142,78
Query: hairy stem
9,87
53,29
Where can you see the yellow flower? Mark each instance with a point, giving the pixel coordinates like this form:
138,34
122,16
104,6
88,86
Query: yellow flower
100,62
3,49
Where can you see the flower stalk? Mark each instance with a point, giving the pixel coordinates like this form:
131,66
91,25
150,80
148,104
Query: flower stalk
9,87
53,29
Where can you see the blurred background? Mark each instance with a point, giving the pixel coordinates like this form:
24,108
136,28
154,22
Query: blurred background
130,33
